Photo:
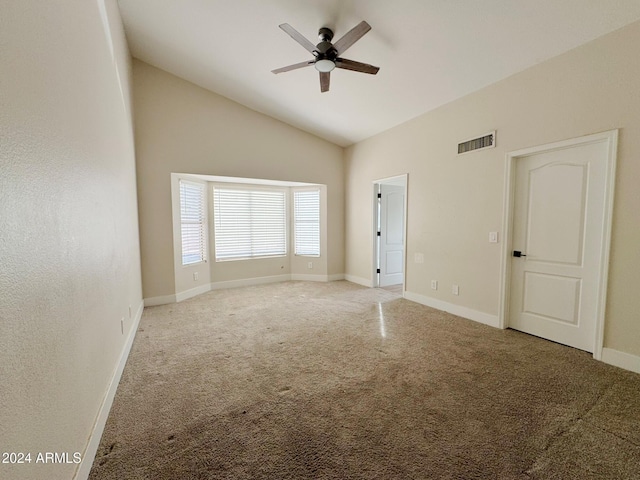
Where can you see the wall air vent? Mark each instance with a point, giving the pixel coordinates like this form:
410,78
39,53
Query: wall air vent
485,141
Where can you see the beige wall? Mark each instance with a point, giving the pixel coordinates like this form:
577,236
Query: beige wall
69,253
182,128
455,201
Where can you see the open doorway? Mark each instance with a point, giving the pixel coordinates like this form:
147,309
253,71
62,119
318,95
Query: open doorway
389,233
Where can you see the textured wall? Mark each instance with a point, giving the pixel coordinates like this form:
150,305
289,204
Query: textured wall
182,128
455,201
69,250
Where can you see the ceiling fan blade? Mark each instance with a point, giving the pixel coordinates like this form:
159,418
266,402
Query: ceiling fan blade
295,66
297,36
356,66
324,81
351,37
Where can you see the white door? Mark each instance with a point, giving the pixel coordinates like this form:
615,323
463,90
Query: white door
558,226
391,235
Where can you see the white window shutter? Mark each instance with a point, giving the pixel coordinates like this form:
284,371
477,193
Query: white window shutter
306,222
249,223
193,222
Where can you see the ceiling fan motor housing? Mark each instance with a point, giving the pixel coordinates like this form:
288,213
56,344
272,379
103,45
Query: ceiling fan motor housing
325,47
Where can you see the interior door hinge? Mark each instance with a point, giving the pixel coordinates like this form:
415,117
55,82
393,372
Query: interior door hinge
378,270
378,233
379,195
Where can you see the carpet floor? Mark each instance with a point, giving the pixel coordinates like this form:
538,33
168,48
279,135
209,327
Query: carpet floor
335,381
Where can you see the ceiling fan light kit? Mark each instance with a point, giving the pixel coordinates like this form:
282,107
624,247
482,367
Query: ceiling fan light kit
325,65
327,54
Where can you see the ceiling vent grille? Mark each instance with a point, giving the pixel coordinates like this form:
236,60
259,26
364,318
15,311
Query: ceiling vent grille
485,141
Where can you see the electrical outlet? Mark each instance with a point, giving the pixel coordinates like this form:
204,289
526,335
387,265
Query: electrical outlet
195,276
434,284
310,265
455,290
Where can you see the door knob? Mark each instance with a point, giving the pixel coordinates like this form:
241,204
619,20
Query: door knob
518,253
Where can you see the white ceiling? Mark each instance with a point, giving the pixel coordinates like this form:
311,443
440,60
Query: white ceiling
430,52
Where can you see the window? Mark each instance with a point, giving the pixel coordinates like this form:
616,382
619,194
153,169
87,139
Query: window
306,222
249,223
192,222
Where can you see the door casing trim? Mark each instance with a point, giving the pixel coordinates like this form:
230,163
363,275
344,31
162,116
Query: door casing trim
611,137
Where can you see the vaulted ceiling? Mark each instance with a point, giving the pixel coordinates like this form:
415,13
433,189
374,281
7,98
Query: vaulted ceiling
430,52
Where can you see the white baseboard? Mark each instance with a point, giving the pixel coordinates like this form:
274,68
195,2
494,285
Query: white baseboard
468,313
247,282
621,359
178,297
162,300
193,292
359,280
244,282
89,455
309,277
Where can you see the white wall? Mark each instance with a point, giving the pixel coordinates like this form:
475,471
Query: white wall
182,128
455,201
69,250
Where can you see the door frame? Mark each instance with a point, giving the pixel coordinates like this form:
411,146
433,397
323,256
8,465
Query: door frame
402,180
611,138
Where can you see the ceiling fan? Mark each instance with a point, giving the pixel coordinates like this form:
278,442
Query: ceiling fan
327,54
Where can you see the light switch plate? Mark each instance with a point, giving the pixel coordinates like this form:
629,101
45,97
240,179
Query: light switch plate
493,237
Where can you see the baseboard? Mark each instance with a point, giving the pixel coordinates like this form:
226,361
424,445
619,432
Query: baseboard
464,312
193,292
359,280
162,300
89,455
309,277
244,282
247,282
621,359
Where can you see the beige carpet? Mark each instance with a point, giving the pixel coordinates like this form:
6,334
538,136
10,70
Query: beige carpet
336,381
